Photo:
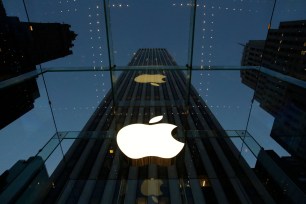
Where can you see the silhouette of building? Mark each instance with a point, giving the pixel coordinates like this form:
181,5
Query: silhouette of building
17,100
23,182
283,100
285,49
23,45
26,44
208,169
284,177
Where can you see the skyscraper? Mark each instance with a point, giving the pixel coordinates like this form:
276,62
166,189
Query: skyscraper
282,51
208,169
285,49
23,45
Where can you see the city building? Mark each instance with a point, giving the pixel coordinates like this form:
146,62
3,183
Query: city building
284,177
16,184
208,169
23,45
285,101
285,49
108,128
279,98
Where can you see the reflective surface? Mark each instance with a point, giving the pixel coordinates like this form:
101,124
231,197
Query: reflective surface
260,107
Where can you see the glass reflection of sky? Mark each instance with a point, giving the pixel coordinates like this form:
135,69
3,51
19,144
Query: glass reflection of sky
220,28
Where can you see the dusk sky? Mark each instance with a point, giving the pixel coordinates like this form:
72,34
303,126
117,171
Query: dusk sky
221,27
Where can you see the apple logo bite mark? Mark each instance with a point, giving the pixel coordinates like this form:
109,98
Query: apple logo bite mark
137,141
153,79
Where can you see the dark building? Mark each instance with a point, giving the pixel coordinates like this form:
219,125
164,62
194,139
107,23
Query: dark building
286,102
17,100
285,49
251,56
284,177
23,45
209,168
23,182
283,100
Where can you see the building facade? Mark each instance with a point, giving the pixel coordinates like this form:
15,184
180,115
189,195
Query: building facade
285,49
23,45
209,168
282,51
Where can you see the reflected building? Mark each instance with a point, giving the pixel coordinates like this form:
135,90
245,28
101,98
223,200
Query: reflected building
285,101
209,168
17,100
283,177
285,49
23,45
23,181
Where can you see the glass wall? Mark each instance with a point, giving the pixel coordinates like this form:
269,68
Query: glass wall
222,50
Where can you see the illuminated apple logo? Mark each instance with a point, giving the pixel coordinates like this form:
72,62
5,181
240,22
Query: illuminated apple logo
151,187
139,140
153,79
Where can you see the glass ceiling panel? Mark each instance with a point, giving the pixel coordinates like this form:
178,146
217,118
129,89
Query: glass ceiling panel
225,95
223,27
149,24
75,96
31,125
86,19
221,31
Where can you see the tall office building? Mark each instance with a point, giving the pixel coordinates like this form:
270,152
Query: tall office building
285,49
208,169
281,51
23,45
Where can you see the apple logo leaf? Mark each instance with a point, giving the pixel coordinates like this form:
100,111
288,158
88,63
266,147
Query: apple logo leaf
156,119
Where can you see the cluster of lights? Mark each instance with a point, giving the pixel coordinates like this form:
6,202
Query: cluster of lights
95,21
206,38
119,5
95,18
182,4
69,8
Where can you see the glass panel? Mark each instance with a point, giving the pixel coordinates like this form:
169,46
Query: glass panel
15,8
53,161
132,29
86,20
28,121
147,84
223,28
226,97
75,96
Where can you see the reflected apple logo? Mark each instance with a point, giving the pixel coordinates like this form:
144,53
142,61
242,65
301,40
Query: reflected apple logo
137,141
153,79
151,187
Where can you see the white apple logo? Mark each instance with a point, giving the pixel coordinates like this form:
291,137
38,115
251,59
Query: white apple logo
153,79
139,140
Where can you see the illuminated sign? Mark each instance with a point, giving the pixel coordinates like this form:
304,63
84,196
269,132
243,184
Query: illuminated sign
140,140
153,79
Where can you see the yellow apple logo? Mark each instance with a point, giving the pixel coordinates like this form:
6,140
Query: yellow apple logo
137,141
153,79
151,187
